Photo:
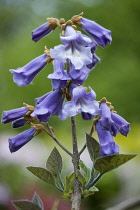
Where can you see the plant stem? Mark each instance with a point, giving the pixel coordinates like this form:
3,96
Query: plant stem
56,140
82,150
93,182
76,196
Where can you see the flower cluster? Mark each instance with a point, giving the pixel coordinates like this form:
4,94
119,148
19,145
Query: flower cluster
72,62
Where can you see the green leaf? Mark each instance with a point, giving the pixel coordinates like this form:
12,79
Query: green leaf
68,188
94,189
85,169
43,174
26,205
71,176
93,147
110,162
54,165
91,191
82,179
54,162
67,184
36,199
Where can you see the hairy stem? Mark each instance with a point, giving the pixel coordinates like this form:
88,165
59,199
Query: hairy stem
56,140
76,196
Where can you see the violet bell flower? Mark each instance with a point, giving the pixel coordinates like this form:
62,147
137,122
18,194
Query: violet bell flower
113,122
19,122
11,115
95,60
24,75
75,48
105,119
122,125
107,143
59,77
44,29
78,74
52,104
81,101
100,34
21,139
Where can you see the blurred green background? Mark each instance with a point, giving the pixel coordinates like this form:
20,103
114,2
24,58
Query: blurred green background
117,77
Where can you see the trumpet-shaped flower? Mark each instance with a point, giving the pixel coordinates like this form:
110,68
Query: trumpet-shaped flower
59,77
44,29
122,125
75,48
105,119
50,105
113,122
79,74
107,143
81,101
21,139
100,34
24,75
11,115
19,122
41,31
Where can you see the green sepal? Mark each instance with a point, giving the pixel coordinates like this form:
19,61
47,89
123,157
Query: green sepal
36,199
111,162
26,204
93,147
43,174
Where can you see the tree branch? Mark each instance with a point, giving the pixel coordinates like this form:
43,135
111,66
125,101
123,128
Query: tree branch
56,140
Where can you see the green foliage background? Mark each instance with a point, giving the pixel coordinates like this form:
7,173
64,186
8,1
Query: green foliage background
116,77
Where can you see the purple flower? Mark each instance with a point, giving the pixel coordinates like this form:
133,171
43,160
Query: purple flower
113,122
101,35
86,116
50,105
105,119
24,75
81,101
107,144
44,29
75,48
11,115
19,122
59,77
41,31
95,59
21,139
78,74
122,125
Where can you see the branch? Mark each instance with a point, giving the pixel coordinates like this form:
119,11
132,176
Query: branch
56,140
82,150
